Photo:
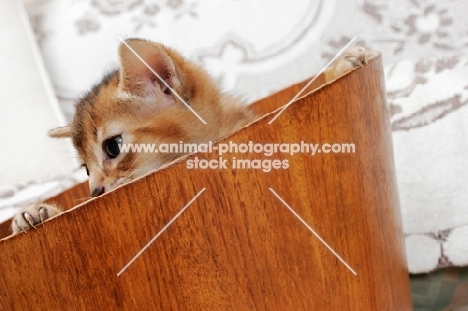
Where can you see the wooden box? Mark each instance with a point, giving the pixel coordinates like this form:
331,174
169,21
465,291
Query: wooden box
237,246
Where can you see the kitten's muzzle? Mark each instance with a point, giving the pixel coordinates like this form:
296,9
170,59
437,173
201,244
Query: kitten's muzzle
97,191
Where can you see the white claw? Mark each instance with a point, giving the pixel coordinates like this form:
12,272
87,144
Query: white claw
29,219
42,214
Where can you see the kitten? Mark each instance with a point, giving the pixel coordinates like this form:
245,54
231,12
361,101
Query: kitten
132,105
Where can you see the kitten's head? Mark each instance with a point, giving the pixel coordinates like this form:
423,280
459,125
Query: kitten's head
133,106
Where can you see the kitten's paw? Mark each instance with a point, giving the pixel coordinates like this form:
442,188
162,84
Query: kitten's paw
33,215
353,57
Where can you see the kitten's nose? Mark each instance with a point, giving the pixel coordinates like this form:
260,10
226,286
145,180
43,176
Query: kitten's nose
97,191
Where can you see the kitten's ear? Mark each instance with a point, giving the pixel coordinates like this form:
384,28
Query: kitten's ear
61,132
136,78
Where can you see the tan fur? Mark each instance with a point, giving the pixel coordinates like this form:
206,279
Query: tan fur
133,103
122,105
60,132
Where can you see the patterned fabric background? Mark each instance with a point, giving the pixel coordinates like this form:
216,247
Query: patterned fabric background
258,47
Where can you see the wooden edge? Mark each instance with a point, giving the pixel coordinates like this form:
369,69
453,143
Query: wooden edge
79,193
66,200
237,248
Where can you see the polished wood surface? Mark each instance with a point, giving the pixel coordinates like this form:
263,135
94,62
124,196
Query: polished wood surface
236,247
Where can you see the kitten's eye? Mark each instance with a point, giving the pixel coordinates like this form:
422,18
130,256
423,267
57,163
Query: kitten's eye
86,168
112,146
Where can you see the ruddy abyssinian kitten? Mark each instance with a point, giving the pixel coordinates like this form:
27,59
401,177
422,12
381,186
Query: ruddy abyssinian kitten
132,105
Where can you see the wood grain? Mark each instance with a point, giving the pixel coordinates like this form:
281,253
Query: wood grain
236,247
80,192
279,99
